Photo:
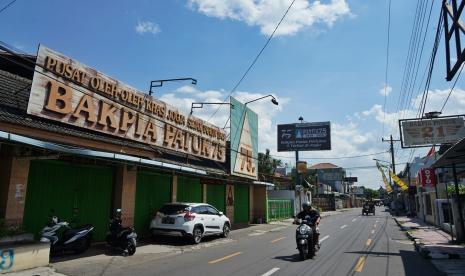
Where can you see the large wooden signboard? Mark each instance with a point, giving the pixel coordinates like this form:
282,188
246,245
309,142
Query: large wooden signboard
67,91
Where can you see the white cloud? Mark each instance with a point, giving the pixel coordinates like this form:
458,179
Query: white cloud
267,13
266,111
386,89
147,27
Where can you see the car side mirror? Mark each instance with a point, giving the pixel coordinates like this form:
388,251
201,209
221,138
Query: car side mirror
220,213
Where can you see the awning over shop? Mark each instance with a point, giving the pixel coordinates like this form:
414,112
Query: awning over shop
96,154
454,155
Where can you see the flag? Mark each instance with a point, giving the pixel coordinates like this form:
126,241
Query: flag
397,180
432,151
386,183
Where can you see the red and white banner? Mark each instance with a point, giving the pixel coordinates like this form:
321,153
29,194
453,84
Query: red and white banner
427,177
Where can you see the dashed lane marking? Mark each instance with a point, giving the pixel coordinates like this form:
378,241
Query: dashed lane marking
271,271
278,239
372,231
225,258
354,220
343,226
368,242
374,226
324,238
360,263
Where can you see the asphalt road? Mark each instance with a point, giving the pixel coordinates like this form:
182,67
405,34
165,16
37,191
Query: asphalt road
351,245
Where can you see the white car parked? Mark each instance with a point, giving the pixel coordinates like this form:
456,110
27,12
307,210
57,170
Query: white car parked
193,220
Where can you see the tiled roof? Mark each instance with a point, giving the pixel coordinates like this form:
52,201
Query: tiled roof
324,166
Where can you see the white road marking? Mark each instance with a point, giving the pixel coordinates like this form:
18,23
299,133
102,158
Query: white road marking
324,238
343,226
354,219
256,234
271,271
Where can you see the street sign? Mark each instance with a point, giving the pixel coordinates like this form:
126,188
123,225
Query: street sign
351,179
428,132
304,137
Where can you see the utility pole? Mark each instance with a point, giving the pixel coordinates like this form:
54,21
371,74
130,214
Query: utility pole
393,164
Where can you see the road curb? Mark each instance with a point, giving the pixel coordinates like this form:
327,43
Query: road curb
422,248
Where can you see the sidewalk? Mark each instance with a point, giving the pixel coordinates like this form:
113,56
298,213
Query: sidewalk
429,240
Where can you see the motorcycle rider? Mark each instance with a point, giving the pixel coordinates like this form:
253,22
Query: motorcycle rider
116,223
314,219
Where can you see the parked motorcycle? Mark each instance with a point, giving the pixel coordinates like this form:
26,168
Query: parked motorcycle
64,238
305,238
121,238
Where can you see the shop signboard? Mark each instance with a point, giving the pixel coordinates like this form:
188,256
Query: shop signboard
428,132
304,137
427,177
244,140
69,92
351,179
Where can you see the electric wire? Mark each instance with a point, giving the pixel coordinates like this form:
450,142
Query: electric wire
7,6
452,88
387,64
254,61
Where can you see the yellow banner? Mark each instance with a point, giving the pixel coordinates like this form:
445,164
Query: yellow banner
398,181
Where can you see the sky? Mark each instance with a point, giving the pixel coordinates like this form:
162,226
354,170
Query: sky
326,62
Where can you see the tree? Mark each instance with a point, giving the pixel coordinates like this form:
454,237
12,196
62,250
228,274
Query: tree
370,193
266,164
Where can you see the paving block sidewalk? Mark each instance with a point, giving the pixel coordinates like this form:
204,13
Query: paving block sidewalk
429,240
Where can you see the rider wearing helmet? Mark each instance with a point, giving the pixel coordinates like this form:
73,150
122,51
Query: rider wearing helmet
314,218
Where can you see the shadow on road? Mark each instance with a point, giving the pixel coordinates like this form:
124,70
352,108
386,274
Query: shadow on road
412,262
293,258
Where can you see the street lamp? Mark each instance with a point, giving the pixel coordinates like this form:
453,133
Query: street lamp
432,114
273,100
200,105
159,83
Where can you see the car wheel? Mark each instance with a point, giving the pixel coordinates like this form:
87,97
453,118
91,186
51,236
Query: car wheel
197,235
226,230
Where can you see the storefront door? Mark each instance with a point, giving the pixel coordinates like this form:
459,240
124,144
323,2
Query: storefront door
153,190
216,196
78,194
241,203
189,190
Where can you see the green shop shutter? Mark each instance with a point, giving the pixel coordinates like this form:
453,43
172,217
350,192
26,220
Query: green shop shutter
216,196
241,203
153,190
79,194
189,190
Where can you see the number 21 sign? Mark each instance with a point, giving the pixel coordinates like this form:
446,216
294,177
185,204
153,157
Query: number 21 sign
428,132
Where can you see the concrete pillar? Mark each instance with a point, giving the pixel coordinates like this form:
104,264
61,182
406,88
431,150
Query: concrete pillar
15,186
204,190
251,204
230,202
174,188
260,203
125,193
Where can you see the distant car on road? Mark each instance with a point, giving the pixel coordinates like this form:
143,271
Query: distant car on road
191,220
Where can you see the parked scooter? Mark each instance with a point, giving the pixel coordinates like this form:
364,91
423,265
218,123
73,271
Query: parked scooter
305,239
64,238
119,237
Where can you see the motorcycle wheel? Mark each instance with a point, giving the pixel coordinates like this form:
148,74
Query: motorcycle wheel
303,252
83,245
131,248
311,251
